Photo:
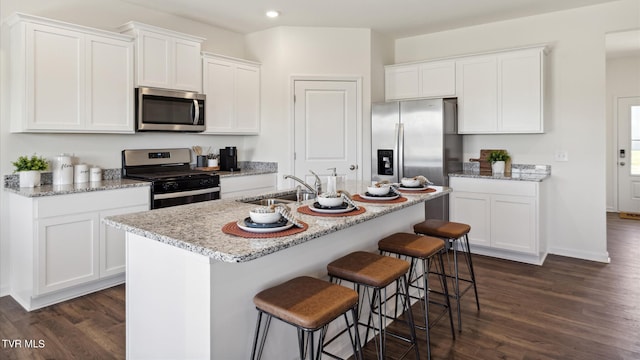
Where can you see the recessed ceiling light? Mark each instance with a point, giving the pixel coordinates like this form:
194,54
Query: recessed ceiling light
272,14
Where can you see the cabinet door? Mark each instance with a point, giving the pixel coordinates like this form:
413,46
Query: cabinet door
67,251
521,91
112,243
233,96
438,78
513,223
187,66
153,57
55,78
402,82
237,186
247,99
218,87
477,89
109,85
473,209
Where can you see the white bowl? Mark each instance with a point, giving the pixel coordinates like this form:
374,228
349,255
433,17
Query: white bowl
410,182
330,200
378,190
264,215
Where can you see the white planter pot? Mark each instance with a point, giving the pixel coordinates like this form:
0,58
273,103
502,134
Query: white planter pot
29,178
497,167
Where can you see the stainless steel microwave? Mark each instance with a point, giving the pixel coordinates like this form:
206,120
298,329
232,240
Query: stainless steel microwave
169,110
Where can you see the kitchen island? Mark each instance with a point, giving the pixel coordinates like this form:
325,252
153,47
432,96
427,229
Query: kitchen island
190,286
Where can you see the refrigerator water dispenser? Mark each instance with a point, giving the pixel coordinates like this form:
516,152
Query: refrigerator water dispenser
385,162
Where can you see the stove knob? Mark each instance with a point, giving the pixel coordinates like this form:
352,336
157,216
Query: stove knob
172,185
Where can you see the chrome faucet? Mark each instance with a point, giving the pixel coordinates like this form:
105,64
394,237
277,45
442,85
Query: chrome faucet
317,189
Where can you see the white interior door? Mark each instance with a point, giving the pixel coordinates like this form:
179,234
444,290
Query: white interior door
326,123
629,154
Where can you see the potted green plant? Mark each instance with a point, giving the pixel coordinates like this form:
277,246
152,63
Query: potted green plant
498,158
29,169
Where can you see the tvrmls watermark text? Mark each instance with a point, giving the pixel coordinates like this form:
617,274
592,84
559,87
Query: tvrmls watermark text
23,343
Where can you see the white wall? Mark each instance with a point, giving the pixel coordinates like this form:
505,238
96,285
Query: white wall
623,79
576,122
99,149
287,52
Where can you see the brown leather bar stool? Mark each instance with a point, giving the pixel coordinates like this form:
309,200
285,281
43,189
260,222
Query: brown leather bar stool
453,232
421,249
375,272
309,304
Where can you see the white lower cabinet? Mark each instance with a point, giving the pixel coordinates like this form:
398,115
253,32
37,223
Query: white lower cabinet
61,250
249,185
504,216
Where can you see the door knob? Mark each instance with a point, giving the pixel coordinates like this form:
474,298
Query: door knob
353,167
622,163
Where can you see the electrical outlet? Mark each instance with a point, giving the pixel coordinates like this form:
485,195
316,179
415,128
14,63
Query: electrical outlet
561,155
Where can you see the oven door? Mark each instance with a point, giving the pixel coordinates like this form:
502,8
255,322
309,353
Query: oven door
185,197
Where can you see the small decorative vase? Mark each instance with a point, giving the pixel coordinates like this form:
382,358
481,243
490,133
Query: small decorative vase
30,178
497,167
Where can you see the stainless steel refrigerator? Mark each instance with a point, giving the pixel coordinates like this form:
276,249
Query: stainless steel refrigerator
417,137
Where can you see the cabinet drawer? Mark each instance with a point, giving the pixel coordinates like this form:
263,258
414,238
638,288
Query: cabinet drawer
91,201
242,183
489,186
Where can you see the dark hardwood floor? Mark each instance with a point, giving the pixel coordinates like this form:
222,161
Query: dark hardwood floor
566,309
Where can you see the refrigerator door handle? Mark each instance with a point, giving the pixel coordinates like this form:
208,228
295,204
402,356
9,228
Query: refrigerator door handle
400,150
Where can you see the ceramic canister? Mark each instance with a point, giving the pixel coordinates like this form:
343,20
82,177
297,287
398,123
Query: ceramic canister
81,173
95,174
62,170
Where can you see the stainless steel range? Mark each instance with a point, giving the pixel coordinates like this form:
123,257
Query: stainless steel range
169,170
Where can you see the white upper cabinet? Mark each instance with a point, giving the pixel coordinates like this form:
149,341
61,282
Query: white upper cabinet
420,80
501,92
69,78
166,59
477,94
232,87
498,92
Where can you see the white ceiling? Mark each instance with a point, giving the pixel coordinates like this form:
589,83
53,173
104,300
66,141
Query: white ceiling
394,18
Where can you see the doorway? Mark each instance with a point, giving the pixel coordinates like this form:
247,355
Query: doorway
327,128
628,164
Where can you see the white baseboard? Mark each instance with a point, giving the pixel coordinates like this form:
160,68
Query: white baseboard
4,291
584,255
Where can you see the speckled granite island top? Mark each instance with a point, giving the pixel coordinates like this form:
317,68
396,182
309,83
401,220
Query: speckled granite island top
197,227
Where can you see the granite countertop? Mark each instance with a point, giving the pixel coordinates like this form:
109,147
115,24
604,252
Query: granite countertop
50,190
113,181
518,176
247,172
197,227
519,172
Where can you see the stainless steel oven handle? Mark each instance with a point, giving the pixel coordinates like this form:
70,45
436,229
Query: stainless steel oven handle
185,193
196,108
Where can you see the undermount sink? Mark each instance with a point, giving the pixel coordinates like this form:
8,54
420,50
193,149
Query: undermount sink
280,199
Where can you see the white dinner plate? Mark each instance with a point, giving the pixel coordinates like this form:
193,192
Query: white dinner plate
242,226
382,198
417,188
331,211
